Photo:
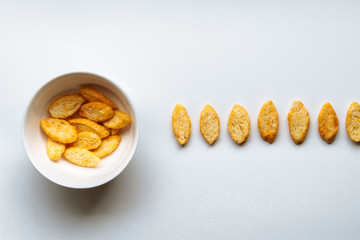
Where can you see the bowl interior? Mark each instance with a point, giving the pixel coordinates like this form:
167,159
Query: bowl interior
63,172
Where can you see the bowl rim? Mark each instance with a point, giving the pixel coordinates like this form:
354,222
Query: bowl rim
115,173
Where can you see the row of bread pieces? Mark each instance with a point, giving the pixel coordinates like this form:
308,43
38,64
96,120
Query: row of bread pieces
268,122
83,127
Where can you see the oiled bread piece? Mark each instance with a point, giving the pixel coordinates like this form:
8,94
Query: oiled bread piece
59,130
107,146
239,124
54,149
88,140
81,157
181,124
299,121
353,122
65,106
209,124
96,111
268,122
86,125
328,123
113,131
92,95
118,121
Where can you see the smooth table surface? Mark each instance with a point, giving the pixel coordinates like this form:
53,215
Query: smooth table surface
195,53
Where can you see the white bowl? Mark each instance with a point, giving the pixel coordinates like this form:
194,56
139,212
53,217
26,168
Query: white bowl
63,172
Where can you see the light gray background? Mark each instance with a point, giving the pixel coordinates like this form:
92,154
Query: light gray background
195,53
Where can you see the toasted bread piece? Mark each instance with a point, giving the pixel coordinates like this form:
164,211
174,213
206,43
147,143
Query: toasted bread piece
268,122
353,122
75,115
328,123
239,124
92,95
114,131
65,106
107,146
209,124
88,140
86,125
96,111
81,157
299,121
59,130
119,120
54,149
181,124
